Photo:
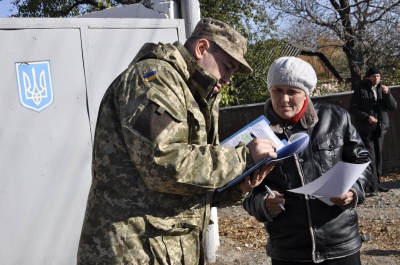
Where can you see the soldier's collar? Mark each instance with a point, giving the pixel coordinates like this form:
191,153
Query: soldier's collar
200,82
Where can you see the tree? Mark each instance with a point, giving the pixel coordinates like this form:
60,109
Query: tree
251,19
253,89
63,8
367,30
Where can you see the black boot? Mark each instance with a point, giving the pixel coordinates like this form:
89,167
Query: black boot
372,191
382,189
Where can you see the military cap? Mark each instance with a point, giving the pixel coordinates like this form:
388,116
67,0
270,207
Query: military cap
225,37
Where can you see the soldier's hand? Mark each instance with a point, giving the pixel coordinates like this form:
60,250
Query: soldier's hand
261,148
257,178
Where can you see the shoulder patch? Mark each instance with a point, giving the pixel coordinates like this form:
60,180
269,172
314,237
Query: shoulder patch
150,76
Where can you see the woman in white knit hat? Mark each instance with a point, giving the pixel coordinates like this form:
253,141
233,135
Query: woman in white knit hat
308,231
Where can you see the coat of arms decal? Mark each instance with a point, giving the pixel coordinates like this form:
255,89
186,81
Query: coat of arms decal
34,84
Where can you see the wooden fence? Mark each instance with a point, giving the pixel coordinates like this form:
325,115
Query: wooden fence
233,118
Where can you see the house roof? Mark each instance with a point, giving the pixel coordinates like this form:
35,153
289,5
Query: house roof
287,48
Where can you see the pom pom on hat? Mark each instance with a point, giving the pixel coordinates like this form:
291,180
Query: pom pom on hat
292,71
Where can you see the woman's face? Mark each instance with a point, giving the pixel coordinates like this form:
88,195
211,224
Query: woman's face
287,101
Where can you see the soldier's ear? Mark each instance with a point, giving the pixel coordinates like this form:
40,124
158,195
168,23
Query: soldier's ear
201,46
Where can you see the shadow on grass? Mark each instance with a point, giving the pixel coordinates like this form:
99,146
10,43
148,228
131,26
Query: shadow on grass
391,184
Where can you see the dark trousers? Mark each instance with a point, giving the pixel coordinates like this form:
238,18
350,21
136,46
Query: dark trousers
349,260
374,145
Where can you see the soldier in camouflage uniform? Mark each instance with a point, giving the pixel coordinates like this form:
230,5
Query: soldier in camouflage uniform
156,159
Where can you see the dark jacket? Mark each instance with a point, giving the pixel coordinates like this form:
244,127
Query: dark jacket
363,105
310,230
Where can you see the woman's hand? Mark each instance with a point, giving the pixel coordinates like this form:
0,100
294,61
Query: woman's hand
344,199
272,204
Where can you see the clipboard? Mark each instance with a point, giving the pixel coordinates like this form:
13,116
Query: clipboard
297,143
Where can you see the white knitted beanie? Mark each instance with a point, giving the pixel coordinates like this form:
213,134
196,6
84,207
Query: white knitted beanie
292,71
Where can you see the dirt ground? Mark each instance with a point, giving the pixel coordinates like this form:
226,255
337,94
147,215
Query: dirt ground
242,238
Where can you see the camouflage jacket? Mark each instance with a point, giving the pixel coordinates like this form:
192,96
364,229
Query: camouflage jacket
157,163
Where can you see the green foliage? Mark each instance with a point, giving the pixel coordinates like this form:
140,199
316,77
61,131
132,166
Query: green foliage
391,76
251,19
63,8
46,8
228,95
253,89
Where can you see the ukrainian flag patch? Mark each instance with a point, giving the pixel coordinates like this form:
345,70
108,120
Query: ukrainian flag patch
150,76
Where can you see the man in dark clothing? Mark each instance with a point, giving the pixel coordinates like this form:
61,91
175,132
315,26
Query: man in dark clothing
369,105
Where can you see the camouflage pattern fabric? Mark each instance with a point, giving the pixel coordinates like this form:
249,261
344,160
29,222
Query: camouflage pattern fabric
156,163
231,41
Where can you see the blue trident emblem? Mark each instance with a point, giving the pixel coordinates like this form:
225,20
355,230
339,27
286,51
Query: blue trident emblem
34,85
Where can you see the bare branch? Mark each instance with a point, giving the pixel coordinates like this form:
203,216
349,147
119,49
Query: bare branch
367,30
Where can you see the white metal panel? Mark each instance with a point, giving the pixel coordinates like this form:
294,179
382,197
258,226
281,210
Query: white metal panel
45,156
108,52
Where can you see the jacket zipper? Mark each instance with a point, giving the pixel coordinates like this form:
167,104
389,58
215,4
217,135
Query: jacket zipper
301,174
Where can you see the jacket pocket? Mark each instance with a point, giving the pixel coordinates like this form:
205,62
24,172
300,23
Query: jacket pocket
128,243
328,151
176,238
173,226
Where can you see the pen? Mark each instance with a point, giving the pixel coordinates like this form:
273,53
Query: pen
273,196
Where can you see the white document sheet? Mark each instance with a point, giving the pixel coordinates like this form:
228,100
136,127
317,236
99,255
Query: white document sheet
258,128
335,182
